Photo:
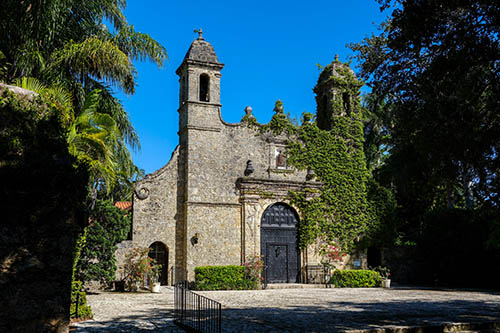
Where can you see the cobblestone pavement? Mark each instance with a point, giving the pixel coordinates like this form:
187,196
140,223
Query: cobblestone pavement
130,312
299,310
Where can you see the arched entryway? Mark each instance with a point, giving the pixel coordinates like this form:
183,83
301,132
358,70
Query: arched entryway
374,256
159,252
278,243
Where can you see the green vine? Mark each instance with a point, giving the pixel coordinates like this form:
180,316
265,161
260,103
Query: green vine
331,145
334,151
337,94
280,122
250,121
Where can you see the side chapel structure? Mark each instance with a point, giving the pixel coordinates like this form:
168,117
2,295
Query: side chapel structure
223,195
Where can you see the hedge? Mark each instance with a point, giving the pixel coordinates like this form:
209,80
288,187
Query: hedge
356,279
222,278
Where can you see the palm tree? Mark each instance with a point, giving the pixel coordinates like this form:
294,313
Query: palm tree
64,43
93,137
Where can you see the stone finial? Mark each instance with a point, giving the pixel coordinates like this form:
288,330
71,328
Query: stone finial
278,107
248,110
200,32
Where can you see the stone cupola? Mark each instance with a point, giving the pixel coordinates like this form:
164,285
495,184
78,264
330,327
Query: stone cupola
337,93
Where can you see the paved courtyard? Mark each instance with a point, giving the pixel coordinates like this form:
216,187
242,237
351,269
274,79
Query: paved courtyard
299,310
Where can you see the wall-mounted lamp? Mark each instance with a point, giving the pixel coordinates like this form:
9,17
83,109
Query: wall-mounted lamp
194,239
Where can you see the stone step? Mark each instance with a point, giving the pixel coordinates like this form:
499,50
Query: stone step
294,286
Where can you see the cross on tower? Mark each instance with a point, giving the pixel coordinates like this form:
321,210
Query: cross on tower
199,31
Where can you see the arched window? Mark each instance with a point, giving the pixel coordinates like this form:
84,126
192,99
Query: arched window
204,88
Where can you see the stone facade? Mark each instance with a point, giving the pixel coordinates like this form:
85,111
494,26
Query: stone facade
206,205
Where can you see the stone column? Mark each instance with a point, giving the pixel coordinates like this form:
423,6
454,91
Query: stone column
249,225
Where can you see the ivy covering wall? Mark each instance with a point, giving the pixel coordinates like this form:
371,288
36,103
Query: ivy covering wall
331,146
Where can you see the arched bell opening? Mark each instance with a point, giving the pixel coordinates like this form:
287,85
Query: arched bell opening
204,88
159,253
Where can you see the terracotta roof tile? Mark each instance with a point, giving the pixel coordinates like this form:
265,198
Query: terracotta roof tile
124,205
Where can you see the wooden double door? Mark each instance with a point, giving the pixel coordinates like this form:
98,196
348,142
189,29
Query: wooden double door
278,243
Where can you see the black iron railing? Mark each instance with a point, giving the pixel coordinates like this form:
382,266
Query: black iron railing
318,274
194,312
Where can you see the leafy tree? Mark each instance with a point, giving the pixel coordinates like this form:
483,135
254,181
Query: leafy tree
109,226
436,65
377,127
65,43
43,190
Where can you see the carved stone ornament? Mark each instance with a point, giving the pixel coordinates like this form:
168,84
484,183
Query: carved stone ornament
142,193
280,160
249,170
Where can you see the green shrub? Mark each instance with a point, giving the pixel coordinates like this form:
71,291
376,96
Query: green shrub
222,278
356,279
84,311
110,225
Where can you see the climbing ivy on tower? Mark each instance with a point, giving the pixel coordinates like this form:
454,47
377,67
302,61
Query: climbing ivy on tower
332,147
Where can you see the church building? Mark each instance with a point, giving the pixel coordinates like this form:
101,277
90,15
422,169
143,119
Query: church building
222,197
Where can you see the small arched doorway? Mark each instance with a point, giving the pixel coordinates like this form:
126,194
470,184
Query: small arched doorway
159,252
278,243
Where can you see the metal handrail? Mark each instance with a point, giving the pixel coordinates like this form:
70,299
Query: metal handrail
195,312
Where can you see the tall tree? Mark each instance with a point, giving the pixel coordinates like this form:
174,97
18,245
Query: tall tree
437,63
109,226
67,43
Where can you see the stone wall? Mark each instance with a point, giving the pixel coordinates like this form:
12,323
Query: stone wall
154,212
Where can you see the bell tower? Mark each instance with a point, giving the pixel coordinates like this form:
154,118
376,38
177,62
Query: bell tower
199,93
199,127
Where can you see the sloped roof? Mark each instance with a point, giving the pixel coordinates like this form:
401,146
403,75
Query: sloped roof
203,51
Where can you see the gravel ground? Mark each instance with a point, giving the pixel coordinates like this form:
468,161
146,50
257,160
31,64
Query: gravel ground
298,310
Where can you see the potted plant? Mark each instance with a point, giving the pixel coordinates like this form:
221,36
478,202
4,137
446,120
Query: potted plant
385,274
155,278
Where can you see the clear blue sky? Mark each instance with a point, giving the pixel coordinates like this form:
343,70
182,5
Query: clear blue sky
270,50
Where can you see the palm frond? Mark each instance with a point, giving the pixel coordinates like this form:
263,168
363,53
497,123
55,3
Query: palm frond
140,46
30,83
97,58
